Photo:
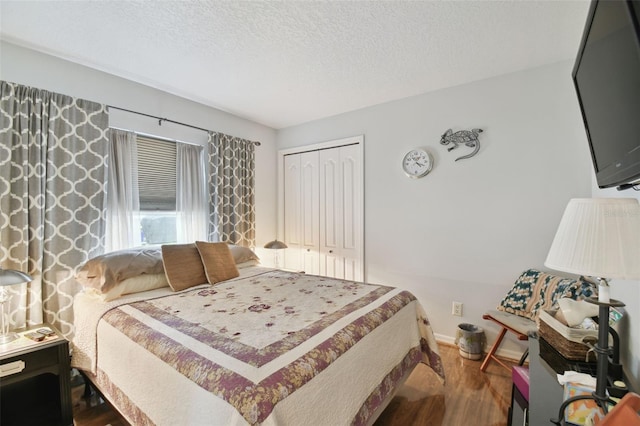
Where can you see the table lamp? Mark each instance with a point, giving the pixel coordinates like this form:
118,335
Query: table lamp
277,246
8,277
600,238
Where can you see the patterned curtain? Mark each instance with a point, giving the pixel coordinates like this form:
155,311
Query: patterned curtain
52,184
231,190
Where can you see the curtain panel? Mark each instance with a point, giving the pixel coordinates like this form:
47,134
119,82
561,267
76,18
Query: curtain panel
231,190
123,199
52,184
191,198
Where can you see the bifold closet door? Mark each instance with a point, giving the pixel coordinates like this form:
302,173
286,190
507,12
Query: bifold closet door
301,212
340,213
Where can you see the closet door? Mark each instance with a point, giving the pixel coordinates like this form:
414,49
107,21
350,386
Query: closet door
341,213
301,212
292,207
310,212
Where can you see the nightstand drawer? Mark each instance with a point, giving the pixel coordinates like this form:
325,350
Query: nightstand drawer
38,362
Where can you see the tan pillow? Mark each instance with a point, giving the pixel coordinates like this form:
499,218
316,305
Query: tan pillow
182,266
247,264
108,270
139,284
218,261
242,254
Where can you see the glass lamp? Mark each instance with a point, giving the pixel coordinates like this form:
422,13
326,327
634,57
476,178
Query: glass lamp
8,277
277,246
600,238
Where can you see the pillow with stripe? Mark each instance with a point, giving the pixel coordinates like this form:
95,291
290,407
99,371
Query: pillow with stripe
183,266
218,261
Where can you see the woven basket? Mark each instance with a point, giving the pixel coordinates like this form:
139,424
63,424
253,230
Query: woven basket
570,350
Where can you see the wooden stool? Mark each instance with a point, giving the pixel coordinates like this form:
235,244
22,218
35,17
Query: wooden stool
520,326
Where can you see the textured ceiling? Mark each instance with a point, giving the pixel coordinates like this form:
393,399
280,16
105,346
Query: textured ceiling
286,63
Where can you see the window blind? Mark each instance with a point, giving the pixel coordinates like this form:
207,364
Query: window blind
156,174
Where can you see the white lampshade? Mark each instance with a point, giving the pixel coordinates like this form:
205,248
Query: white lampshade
598,237
12,277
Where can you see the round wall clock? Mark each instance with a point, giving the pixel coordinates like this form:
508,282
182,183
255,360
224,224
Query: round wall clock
417,163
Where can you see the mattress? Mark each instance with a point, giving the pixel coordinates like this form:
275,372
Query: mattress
269,347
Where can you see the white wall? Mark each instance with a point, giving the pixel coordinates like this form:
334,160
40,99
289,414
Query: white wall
31,68
462,233
466,231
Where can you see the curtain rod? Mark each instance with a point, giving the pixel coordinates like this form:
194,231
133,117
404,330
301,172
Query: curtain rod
160,120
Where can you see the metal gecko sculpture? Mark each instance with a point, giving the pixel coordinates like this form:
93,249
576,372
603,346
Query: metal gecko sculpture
466,137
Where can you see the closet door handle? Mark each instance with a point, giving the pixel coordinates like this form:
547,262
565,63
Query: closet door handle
330,251
308,250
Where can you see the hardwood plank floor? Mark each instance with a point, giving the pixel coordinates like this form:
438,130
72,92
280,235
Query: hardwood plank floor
468,397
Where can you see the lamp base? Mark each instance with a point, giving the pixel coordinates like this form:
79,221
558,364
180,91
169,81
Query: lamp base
9,337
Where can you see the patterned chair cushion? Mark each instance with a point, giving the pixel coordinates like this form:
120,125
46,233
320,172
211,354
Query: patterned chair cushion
535,290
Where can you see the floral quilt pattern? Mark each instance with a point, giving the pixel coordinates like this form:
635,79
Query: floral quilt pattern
258,319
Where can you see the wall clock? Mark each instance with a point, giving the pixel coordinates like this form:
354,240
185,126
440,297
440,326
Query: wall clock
417,163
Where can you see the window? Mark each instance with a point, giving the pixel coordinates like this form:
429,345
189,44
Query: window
157,186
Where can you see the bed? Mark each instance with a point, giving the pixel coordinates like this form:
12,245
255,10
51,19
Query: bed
266,346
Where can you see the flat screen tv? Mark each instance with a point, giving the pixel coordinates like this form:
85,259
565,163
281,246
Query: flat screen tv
606,76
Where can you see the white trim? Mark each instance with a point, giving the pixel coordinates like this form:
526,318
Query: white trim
502,353
352,140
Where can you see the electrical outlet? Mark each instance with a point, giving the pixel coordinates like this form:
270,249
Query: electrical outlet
456,309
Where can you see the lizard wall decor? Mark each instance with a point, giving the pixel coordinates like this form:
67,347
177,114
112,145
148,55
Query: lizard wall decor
466,137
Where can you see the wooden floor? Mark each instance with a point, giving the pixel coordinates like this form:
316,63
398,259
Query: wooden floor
467,397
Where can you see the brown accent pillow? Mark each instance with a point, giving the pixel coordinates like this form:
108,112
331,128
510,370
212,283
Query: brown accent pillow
182,266
108,270
218,261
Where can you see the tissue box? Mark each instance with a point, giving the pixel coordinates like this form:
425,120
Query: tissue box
570,342
579,411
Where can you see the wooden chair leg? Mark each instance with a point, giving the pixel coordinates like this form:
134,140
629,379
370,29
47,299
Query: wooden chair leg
493,350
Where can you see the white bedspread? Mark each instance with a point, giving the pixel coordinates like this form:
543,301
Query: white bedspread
269,347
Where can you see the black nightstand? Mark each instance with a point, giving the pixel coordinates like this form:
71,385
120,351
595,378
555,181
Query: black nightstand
35,387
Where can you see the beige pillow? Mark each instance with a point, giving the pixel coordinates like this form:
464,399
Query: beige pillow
218,261
247,264
182,266
242,254
144,282
108,270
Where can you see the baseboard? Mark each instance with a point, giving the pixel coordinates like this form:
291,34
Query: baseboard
502,353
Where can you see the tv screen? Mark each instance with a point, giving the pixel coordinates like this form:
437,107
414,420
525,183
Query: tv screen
606,76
